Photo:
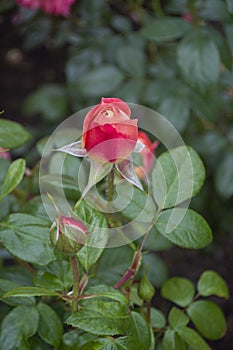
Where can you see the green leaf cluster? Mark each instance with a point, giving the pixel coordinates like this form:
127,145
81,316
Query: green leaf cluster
23,322
178,175
206,315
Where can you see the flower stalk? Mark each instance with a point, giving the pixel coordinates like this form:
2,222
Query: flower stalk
110,186
75,271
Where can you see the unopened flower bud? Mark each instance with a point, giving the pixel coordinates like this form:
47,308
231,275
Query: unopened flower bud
68,235
146,290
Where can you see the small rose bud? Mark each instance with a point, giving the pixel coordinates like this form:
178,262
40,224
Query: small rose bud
68,235
146,290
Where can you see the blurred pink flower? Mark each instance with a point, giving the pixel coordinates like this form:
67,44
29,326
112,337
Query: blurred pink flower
187,17
56,7
33,4
4,154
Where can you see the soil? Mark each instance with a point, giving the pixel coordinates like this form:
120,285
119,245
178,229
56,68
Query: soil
21,73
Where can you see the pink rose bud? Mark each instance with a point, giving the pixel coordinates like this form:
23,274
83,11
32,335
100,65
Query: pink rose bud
4,154
109,135
68,235
147,154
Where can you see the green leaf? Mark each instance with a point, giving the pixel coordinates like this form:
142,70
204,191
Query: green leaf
228,29
210,143
4,165
177,318
199,60
104,291
186,229
37,343
13,177
17,274
211,283
12,134
130,90
48,281
156,241
179,290
69,185
97,234
121,23
139,330
56,276
29,292
172,341
176,109
177,176
158,271
7,286
120,343
136,204
193,339
49,100
157,318
101,344
118,261
27,237
224,176
214,10
222,45
50,327
101,317
208,319
20,324
229,4
205,107
78,63
165,29
34,207
106,78
131,60
75,339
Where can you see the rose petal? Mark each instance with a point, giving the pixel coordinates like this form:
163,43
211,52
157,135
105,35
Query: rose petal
75,149
126,169
118,103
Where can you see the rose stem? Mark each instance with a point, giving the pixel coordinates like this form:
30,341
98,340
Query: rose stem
110,186
131,272
74,265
